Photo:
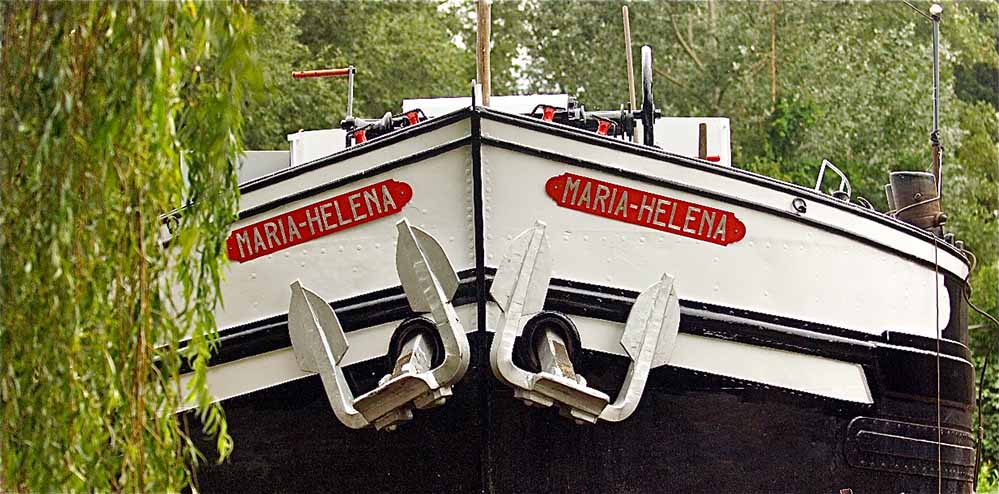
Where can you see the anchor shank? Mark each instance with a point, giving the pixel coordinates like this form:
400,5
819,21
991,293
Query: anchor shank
552,353
415,356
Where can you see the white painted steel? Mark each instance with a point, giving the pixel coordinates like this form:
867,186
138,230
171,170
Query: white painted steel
256,164
360,259
789,370
680,135
265,370
782,267
732,186
309,145
246,375
783,369
354,165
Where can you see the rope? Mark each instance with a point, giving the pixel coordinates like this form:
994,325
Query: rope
895,213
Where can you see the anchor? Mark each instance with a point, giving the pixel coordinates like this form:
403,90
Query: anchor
519,289
431,352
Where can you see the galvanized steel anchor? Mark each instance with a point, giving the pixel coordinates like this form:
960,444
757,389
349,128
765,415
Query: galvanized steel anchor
429,282
519,289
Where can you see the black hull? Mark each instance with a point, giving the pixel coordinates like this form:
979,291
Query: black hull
692,433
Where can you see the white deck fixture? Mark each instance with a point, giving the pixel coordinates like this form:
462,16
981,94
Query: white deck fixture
309,145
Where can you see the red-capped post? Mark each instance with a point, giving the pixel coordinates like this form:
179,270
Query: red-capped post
347,72
303,74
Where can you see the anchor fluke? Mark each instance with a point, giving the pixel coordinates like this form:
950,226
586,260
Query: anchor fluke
417,246
656,312
522,278
320,345
649,338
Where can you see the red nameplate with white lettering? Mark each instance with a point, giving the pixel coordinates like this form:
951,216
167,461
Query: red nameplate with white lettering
634,206
318,219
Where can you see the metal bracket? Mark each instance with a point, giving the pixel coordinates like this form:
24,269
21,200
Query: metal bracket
519,289
845,191
429,281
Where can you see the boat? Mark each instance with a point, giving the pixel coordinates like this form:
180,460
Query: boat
511,294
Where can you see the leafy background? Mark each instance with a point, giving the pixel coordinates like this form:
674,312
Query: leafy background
114,113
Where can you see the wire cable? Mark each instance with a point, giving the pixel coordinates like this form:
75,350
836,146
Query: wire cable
920,12
985,365
936,324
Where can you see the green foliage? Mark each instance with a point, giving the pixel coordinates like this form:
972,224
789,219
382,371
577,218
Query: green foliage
972,197
287,105
789,122
400,49
988,479
112,114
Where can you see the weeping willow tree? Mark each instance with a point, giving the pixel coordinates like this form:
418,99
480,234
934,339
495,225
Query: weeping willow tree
112,114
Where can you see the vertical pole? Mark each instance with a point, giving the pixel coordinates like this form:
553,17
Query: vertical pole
936,156
773,55
631,65
702,141
483,13
648,107
350,93
936,73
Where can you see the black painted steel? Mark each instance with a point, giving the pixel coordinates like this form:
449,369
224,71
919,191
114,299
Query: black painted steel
905,447
692,433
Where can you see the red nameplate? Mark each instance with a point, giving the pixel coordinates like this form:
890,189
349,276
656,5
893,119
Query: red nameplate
634,206
319,219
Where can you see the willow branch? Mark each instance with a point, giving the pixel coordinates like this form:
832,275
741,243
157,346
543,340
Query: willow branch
666,75
683,42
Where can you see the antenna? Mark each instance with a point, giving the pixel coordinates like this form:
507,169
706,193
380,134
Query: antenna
936,167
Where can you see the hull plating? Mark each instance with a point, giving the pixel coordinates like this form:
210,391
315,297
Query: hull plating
791,328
